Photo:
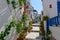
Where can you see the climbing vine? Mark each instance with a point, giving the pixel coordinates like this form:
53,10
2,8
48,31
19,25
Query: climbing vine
20,2
19,26
13,4
7,30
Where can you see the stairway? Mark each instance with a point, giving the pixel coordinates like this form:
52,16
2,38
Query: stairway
35,27
34,34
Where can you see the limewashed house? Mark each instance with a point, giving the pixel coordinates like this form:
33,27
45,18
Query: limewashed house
10,9
51,8
6,14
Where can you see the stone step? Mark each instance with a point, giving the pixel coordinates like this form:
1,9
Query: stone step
33,36
35,29
36,24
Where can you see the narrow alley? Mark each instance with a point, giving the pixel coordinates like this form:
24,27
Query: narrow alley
29,19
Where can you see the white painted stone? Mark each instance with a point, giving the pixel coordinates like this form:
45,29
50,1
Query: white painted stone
55,32
45,25
36,24
35,29
32,35
51,12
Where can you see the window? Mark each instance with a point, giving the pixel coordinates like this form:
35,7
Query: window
50,6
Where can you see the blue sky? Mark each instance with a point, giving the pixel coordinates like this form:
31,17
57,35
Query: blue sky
37,4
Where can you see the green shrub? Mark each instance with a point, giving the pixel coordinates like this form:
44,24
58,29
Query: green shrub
13,4
42,28
25,28
20,2
19,27
22,35
7,30
45,18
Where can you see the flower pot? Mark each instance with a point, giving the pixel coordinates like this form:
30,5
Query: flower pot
25,33
20,39
29,31
24,7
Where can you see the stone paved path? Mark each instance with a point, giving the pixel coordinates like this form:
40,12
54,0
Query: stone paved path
34,34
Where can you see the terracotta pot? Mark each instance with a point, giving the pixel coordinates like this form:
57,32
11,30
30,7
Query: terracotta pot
24,7
25,32
19,38
29,31
24,12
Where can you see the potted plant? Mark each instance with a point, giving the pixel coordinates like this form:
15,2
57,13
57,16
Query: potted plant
21,2
30,23
42,31
25,29
19,27
21,36
30,26
45,18
48,35
29,29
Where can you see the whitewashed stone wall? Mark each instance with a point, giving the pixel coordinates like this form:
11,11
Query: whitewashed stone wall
6,13
51,12
55,32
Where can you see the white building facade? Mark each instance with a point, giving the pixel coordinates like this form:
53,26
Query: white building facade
51,12
51,8
29,9
6,14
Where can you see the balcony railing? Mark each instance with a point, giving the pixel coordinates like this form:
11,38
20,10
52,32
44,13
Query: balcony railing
55,21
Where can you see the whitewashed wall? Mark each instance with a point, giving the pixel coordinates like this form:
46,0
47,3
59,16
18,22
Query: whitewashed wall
4,12
55,32
51,12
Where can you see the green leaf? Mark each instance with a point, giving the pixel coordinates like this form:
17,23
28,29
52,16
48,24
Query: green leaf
2,36
20,2
8,1
45,18
13,4
24,1
19,27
